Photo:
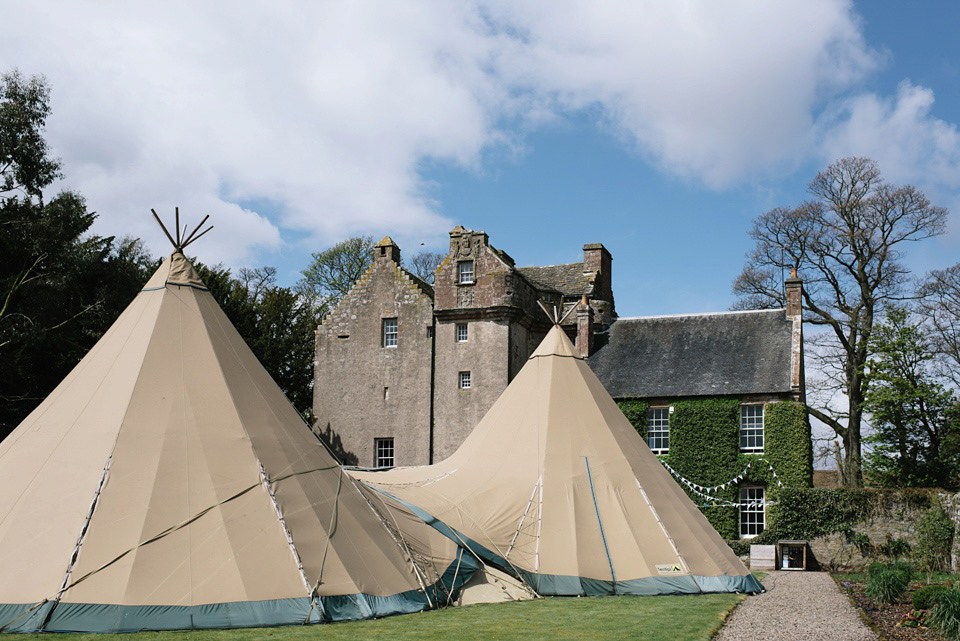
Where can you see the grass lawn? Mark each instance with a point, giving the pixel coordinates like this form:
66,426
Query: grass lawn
679,618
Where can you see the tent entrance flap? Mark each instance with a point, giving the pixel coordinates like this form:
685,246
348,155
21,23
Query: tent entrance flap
603,536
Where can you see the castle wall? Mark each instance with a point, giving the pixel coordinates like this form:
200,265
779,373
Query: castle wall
498,306
364,390
484,355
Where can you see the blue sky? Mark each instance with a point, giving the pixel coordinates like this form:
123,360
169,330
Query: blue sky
659,129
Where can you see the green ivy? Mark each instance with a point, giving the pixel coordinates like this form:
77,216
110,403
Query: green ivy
636,413
705,449
934,539
804,513
787,443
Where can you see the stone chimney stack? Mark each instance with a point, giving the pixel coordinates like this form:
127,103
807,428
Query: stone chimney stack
793,287
598,263
597,260
794,290
386,249
584,327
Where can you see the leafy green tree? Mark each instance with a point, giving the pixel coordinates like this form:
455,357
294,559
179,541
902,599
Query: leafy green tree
332,272
912,414
846,244
25,166
60,286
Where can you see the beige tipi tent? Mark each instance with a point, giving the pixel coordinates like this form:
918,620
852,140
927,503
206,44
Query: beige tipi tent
555,484
168,483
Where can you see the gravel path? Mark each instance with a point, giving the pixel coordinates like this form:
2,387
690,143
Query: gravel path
797,606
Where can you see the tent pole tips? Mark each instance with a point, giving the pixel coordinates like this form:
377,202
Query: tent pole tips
182,239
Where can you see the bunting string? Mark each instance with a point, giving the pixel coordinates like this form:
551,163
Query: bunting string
707,492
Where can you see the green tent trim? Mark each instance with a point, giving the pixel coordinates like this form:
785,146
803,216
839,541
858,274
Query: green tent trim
560,585
110,618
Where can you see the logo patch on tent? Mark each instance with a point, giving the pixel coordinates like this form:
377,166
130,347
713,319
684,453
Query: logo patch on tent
669,568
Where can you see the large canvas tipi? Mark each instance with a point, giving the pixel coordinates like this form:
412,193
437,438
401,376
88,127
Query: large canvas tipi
556,485
167,483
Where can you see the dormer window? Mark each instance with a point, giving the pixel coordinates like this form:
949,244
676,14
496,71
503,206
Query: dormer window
465,271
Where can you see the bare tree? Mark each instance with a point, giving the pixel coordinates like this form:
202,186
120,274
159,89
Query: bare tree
846,244
256,280
424,265
940,304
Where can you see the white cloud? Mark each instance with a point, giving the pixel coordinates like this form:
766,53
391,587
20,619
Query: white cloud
900,133
713,91
329,110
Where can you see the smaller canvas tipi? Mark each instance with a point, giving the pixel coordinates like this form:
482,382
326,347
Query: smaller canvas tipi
168,483
556,485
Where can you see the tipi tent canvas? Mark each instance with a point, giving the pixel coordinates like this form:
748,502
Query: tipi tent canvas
556,485
167,483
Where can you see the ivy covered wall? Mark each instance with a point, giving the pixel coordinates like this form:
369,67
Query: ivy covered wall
636,413
705,449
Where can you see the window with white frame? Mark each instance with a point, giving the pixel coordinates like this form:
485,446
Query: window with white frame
751,511
464,380
383,452
658,429
465,271
751,428
389,332
462,333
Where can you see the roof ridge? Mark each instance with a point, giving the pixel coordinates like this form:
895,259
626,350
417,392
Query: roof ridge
545,266
726,313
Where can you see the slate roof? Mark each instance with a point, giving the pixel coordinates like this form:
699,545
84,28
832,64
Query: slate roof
695,355
568,280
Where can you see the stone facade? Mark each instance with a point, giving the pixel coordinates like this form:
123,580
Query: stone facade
481,319
364,389
461,341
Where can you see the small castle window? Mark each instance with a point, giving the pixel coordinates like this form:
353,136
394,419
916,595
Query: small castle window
383,452
465,271
389,332
462,332
464,380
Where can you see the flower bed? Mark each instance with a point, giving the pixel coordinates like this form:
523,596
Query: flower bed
898,621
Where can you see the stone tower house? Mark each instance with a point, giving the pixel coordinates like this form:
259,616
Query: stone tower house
404,371
371,386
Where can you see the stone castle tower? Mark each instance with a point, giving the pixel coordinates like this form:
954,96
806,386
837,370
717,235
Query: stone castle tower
405,370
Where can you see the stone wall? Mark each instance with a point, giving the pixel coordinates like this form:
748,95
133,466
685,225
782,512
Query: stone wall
896,519
484,356
952,504
364,390
499,307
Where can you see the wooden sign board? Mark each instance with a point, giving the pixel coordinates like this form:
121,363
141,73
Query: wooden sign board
763,557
